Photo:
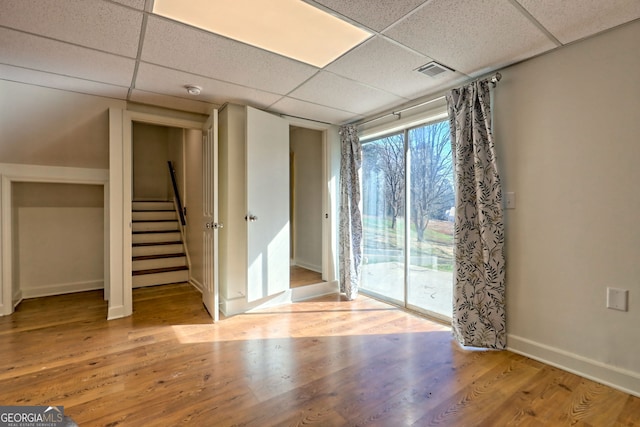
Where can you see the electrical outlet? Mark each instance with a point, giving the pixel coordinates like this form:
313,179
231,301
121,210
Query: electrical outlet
617,299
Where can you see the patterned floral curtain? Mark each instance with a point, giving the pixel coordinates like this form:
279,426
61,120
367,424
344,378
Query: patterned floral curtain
350,234
479,290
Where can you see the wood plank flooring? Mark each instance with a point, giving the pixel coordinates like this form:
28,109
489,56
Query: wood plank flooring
303,277
325,362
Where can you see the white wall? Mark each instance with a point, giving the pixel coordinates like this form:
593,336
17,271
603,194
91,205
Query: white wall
153,147
306,146
567,127
175,153
151,179
58,238
42,126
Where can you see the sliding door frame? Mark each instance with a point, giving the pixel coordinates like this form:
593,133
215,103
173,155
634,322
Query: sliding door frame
437,113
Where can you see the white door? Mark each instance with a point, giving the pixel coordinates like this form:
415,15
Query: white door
210,226
267,217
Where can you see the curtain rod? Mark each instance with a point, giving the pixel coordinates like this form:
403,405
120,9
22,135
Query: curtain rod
494,79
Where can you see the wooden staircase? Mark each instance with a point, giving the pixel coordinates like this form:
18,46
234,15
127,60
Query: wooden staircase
158,253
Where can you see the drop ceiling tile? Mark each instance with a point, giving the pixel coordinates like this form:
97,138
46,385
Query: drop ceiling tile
306,110
570,20
181,47
471,36
24,50
375,14
56,81
334,91
153,78
136,4
93,23
396,74
171,102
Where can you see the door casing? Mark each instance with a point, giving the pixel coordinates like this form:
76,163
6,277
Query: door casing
121,181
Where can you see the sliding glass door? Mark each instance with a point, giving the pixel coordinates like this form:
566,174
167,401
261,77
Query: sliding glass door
431,211
408,209
383,199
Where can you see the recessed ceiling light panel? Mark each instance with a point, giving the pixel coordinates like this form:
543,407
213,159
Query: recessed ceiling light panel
291,28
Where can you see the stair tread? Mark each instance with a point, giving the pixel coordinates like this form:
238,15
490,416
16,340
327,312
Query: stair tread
157,214
160,270
157,243
154,231
159,256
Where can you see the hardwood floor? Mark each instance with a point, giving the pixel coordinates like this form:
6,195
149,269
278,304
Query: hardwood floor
325,362
301,277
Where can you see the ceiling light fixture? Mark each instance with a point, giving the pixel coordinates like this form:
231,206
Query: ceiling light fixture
193,90
291,28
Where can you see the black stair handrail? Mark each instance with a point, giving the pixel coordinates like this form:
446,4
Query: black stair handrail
176,193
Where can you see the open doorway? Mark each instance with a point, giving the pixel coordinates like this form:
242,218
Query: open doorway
159,253
121,124
306,207
169,239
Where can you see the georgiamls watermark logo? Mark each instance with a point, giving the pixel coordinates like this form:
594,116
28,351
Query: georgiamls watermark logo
34,416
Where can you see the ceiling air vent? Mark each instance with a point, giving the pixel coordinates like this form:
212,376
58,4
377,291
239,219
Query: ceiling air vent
433,69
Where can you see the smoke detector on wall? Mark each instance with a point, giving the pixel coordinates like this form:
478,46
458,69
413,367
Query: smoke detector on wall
433,69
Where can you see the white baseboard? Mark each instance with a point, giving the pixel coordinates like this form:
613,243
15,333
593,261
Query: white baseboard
311,291
199,286
116,312
308,266
240,305
17,298
618,378
6,309
61,288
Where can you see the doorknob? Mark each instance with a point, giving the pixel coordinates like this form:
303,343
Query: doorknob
207,225
218,225
251,218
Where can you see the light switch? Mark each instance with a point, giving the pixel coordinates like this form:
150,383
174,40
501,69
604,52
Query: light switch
510,200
